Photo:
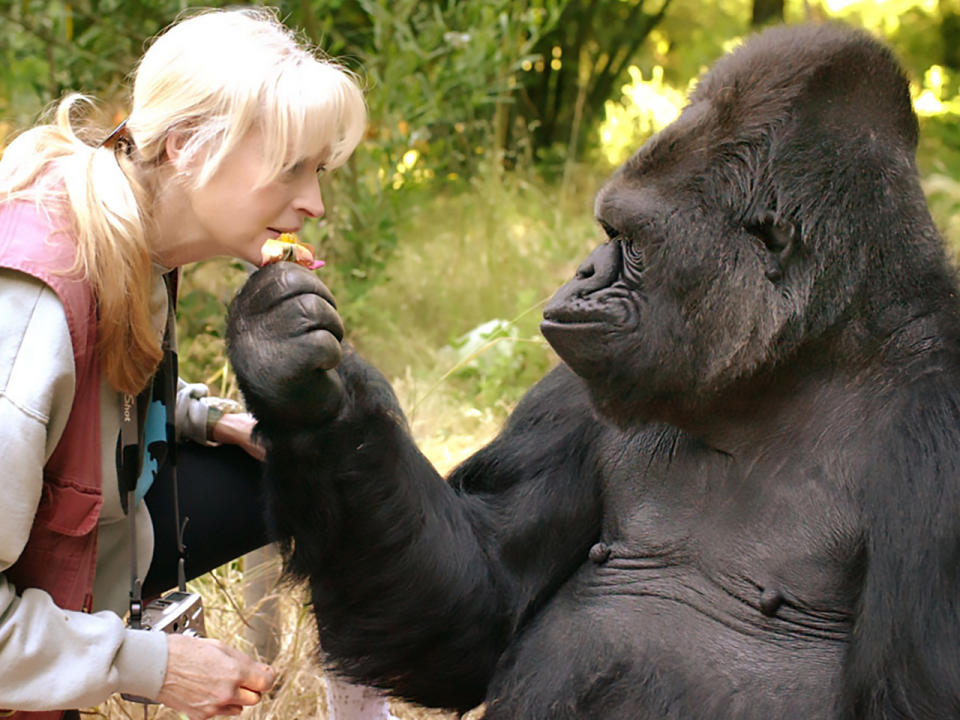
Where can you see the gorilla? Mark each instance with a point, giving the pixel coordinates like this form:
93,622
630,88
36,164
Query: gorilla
737,496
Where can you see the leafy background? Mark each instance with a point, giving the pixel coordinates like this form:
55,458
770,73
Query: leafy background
469,201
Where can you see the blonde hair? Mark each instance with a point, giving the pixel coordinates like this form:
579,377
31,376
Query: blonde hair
212,76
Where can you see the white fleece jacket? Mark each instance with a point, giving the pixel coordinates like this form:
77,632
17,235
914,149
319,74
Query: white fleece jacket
52,658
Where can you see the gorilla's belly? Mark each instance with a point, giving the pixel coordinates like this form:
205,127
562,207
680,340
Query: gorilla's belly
620,641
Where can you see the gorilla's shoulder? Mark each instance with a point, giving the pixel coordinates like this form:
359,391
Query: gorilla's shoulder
922,408
551,425
554,397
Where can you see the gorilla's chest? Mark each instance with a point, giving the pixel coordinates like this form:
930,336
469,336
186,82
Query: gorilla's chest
776,529
735,579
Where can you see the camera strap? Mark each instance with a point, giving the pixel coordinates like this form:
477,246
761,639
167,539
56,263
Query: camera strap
147,442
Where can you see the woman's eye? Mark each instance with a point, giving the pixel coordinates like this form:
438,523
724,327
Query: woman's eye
298,167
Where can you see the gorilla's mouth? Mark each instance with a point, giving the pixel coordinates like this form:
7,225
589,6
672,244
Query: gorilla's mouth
607,308
581,316
580,342
576,332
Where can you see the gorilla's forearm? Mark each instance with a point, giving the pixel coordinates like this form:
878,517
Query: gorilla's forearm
367,514
390,609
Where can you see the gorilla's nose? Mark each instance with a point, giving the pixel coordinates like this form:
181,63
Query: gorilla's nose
599,270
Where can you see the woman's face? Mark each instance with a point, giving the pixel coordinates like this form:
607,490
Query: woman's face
231,215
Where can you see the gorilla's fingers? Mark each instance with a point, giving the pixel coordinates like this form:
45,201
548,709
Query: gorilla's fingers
314,348
283,338
301,352
328,352
275,283
310,312
292,388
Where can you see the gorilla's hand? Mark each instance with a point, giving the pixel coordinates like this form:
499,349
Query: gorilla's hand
283,338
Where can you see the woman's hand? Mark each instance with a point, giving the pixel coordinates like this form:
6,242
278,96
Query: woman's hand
237,429
206,678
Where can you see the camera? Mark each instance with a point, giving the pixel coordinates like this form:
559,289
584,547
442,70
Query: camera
177,612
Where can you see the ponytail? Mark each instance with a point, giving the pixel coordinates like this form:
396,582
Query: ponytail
57,166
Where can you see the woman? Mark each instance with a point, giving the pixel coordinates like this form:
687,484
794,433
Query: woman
231,121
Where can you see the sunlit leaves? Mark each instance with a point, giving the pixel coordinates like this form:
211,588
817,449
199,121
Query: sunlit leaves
645,107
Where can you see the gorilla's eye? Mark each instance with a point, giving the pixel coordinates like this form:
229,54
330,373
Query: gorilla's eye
610,230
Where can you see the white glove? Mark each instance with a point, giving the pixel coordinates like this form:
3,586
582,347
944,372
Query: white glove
197,413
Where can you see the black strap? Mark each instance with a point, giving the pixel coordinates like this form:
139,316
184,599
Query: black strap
171,370
162,387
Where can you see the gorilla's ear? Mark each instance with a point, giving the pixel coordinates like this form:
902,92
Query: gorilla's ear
779,238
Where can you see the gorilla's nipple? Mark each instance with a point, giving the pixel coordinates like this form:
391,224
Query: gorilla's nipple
600,553
770,601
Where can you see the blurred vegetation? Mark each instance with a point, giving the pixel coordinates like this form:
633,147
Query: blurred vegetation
492,125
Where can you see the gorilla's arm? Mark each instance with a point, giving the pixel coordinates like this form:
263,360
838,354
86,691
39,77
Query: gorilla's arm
417,584
904,656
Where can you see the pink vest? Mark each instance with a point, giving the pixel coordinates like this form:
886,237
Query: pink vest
61,553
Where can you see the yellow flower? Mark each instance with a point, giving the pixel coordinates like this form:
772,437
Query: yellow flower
288,248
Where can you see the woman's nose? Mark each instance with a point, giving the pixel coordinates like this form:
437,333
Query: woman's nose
310,201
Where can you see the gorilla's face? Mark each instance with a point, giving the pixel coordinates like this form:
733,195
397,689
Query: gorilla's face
687,294
774,215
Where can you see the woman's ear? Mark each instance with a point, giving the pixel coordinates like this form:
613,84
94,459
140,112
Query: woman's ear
173,148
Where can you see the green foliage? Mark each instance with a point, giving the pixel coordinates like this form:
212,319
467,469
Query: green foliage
205,293
577,64
939,159
492,364
436,71
943,194
690,37
647,106
50,46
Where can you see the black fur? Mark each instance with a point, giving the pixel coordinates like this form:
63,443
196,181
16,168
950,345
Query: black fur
739,496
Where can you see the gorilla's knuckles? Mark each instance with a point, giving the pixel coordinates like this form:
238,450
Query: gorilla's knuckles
277,283
304,313
327,351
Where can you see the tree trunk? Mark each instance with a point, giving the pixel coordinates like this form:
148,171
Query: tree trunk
766,11
950,32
